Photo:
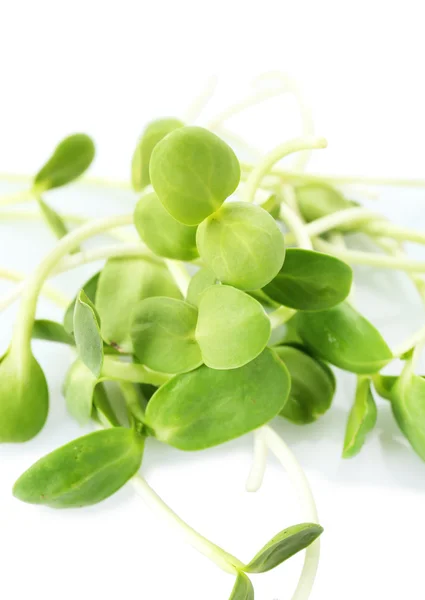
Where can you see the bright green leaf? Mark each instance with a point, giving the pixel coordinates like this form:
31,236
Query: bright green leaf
83,472
385,385
51,331
153,134
317,200
242,244
163,335
161,232
361,420
78,390
123,283
232,328
207,407
201,281
312,386
408,406
344,338
24,397
87,334
310,281
242,589
70,159
54,221
284,545
89,288
193,172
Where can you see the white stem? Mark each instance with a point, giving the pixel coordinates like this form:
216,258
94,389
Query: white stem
179,274
295,224
280,316
224,560
259,462
305,495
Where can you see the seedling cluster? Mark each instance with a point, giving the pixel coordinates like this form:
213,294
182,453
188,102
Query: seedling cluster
230,312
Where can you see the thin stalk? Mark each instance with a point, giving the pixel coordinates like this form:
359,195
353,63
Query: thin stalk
264,166
180,275
47,290
102,182
305,495
17,198
259,462
134,373
280,316
296,225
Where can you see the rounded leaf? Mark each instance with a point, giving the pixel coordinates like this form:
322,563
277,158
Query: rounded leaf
163,335
24,397
123,282
408,406
193,171
201,281
83,472
153,134
310,281
89,288
361,420
232,328
87,334
207,407
344,338
317,200
312,386
242,244
70,159
161,232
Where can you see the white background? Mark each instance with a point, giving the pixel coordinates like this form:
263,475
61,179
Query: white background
109,67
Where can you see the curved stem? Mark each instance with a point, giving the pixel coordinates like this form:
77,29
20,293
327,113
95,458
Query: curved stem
25,320
259,462
264,166
47,290
17,198
225,561
300,482
126,371
296,225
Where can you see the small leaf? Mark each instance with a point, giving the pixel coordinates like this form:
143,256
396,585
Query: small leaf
102,409
316,200
207,407
153,134
344,338
242,589
53,220
284,545
362,419
78,390
51,331
202,280
312,386
90,290
384,385
193,171
161,232
242,244
87,334
24,397
123,283
70,159
232,327
408,406
310,281
83,472
163,335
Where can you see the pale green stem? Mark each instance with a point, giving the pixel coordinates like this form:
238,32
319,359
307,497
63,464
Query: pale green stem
180,275
395,232
357,257
306,499
296,225
259,462
25,320
225,561
114,368
280,316
132,400
17,198
412,341
264,166
337,240
48,291
89,181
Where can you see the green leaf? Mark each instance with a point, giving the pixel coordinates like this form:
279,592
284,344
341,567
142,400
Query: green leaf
102,409
51,331
242,589
53,220
193,172
89,288
312,386
87,334
70,159
163,335
242,244
272,206
408,406
317,200
361,420
24,397
344,338
153,134
310,281
207,407
123,283
78,390
161,232
384,385
83,472
232,327
201,281
284,545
